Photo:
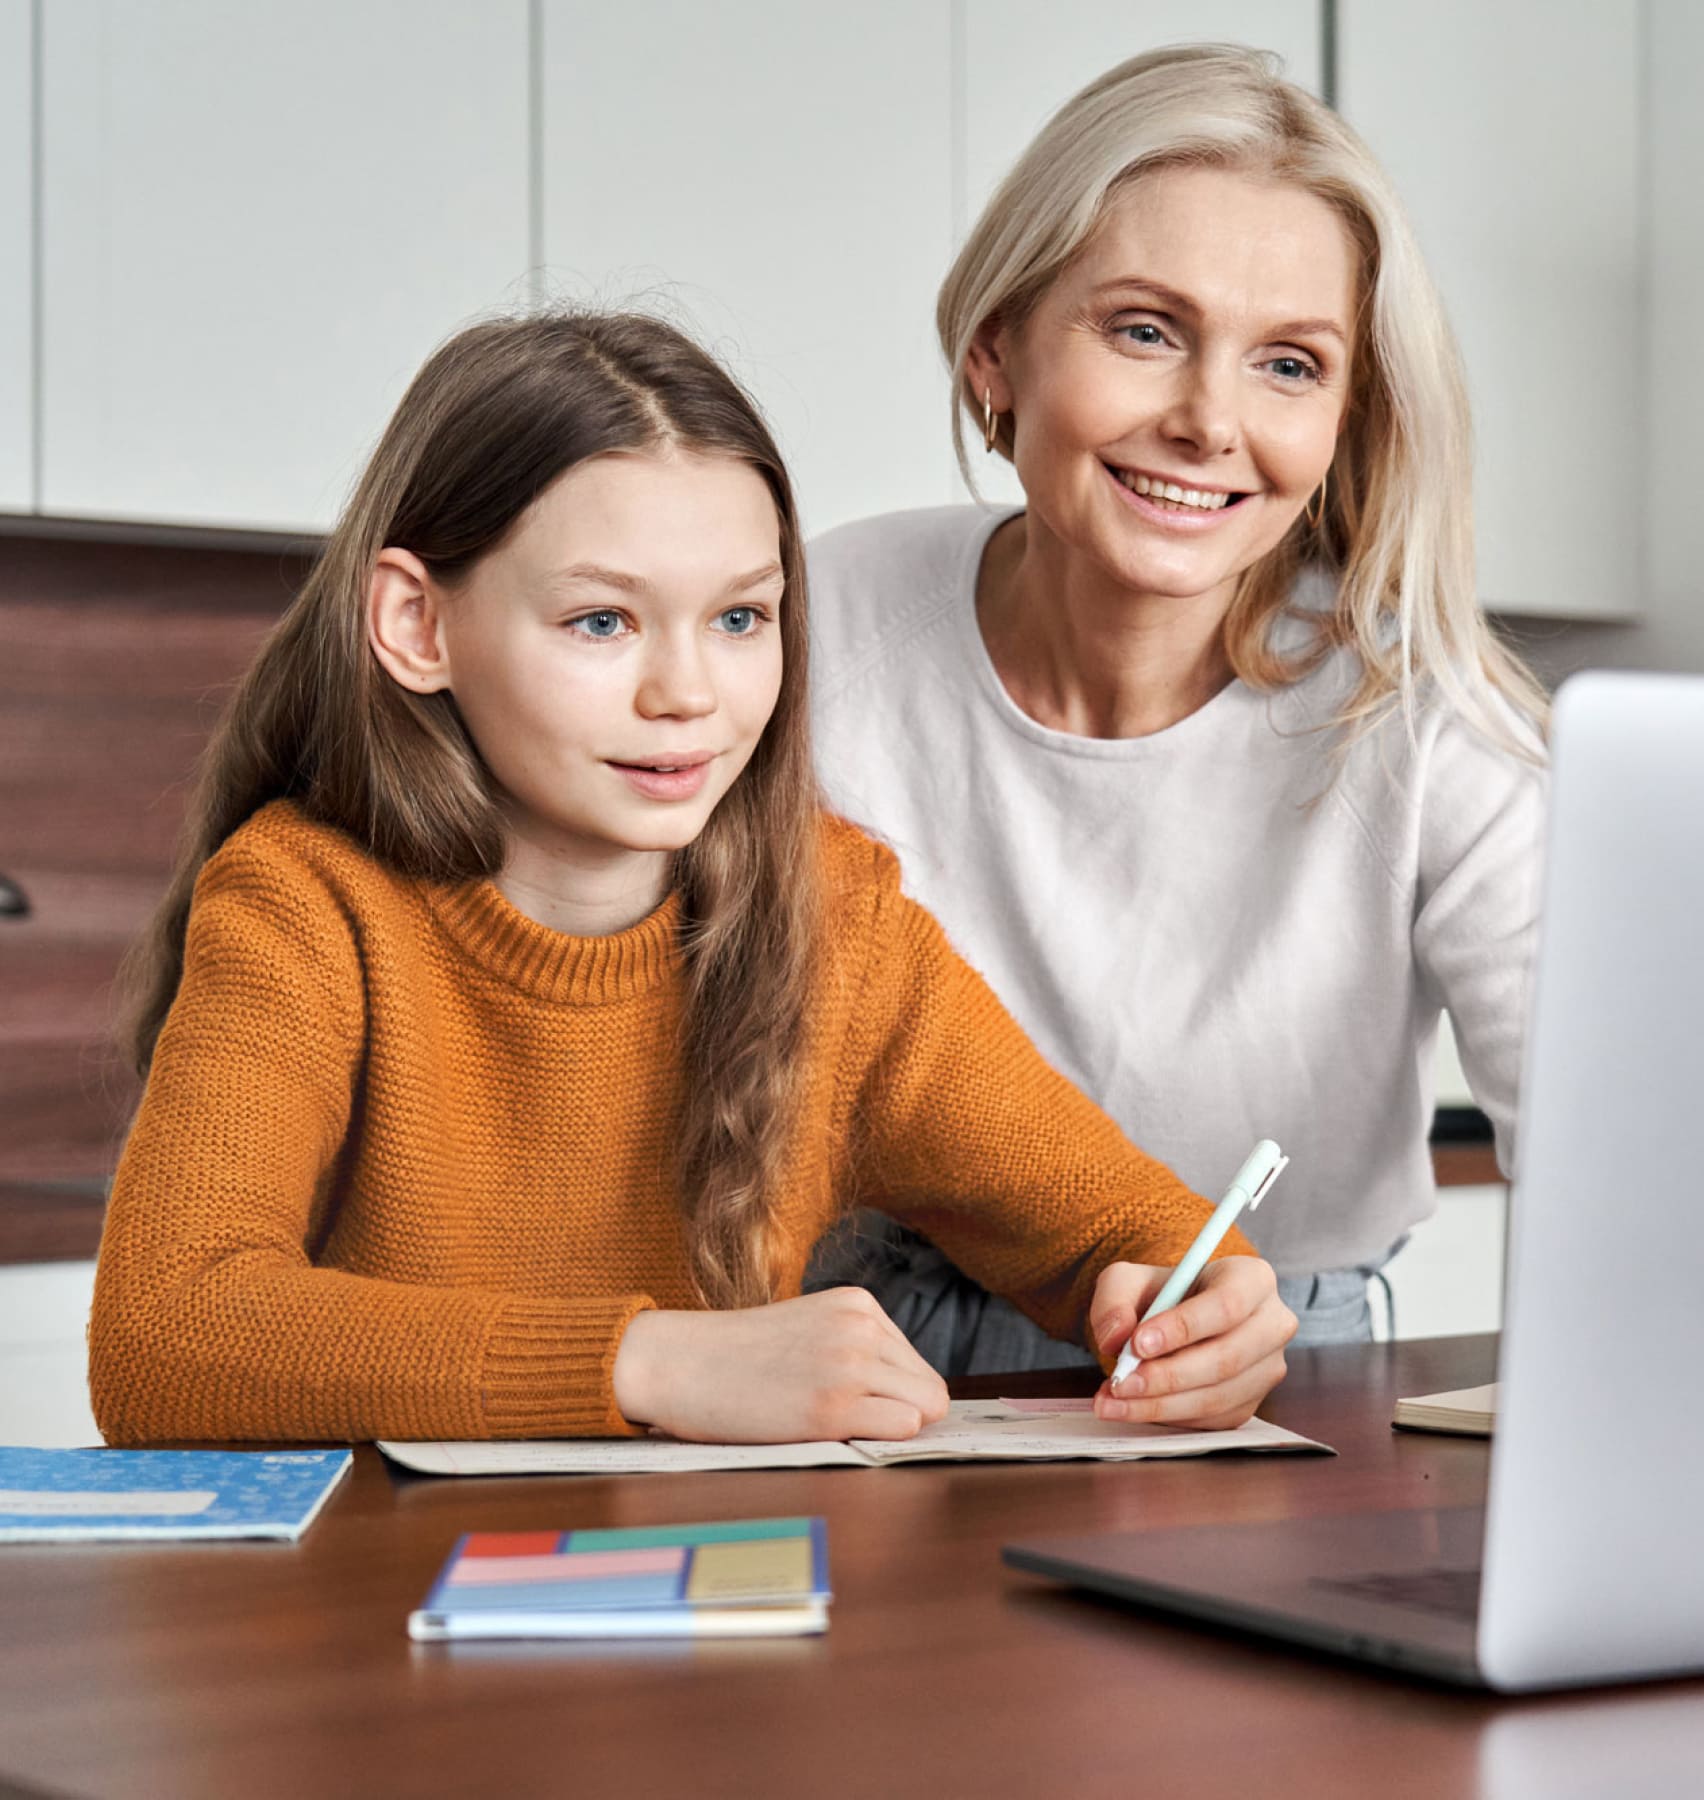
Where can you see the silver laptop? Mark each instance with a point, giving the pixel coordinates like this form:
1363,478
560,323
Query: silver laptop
1587,1562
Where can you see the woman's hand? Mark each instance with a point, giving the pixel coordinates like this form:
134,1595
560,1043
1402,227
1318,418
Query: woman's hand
1207,1362
827,1365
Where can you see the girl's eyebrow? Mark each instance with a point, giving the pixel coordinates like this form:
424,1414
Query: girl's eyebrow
627,583
600,576
1182,303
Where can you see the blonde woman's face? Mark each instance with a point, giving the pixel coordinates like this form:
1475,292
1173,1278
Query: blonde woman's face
617,658
1199,346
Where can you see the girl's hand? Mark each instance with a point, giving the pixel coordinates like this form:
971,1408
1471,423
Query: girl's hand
828,1365
1210,1360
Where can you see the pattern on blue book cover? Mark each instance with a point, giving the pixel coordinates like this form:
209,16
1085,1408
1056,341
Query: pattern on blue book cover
60,1495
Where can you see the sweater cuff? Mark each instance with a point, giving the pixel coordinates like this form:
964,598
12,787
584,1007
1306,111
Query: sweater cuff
549,1368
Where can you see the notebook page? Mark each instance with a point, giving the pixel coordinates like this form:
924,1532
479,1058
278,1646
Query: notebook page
612,1456
987,1430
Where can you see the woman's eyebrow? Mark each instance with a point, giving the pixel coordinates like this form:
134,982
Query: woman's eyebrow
1181,302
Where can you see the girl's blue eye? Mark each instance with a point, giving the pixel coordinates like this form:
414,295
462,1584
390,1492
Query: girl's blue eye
598,624
739,621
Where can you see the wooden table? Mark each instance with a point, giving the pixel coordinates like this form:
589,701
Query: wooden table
257,1670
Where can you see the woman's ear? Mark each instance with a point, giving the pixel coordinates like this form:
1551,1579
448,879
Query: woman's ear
405,622
985,365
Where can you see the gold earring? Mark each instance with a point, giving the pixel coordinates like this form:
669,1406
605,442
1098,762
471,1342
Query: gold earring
990,420
1316,518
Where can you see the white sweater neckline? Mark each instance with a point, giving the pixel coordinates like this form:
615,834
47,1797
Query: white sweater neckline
974,648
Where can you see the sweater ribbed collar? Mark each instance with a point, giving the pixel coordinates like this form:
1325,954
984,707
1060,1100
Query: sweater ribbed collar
552,965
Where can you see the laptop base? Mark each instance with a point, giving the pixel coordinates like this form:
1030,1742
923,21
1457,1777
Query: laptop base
1398,1588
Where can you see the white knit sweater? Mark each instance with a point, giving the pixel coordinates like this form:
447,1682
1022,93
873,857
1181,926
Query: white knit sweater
1220,931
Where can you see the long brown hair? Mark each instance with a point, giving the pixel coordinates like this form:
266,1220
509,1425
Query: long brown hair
492,419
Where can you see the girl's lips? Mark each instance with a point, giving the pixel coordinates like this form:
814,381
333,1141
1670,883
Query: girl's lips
665,784
1181,519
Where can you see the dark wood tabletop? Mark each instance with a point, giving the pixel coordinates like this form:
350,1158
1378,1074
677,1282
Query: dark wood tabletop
258,1670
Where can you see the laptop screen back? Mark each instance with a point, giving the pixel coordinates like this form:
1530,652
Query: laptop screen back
1594,1565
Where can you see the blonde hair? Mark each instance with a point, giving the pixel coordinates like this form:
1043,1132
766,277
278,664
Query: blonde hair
492,419
1397,526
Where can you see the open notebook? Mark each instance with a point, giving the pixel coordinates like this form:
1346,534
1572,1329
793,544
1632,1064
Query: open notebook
973,1431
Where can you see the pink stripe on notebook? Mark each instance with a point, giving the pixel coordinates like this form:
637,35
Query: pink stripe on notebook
581,1565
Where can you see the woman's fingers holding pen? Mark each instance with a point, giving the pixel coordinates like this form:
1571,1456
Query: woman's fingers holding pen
1122,1294
1216,1355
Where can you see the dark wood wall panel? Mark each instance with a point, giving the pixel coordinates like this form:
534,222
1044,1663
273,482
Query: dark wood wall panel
114,661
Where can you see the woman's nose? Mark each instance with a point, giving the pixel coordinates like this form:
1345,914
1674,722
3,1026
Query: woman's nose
676,683
1202,415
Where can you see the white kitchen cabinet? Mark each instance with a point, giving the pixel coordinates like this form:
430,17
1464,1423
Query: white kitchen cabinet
779,177
1022,62
257,220
17,258
1513,136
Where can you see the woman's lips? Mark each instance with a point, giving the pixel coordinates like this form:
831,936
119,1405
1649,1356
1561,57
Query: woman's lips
676,783
1181,519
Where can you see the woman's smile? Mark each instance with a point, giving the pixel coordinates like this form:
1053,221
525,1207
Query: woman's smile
1173,506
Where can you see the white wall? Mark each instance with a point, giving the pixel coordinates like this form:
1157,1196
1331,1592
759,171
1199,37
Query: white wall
17,279
256,222
1670,634
797,224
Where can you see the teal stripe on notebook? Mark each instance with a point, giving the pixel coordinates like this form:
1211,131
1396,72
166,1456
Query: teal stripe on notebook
647,1537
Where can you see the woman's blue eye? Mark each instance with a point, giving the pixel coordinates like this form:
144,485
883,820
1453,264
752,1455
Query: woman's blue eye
1292,368
739,621
598,624
1156,335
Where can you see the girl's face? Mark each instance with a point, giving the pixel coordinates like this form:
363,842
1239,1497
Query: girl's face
1201,341
618,656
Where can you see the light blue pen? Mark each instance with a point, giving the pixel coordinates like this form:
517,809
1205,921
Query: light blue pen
1266,1162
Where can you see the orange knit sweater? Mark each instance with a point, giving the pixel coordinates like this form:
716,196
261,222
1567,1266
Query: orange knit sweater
403,1167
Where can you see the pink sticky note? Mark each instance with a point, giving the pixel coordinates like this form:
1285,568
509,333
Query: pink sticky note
1073,1405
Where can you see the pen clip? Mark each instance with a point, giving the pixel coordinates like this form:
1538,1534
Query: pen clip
1279,1165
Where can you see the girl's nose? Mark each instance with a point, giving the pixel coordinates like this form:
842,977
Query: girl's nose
676,683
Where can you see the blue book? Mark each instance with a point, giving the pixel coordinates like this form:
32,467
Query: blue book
735,1578
75,1496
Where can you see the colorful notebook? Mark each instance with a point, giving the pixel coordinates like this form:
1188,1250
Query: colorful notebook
741,1578
71,1496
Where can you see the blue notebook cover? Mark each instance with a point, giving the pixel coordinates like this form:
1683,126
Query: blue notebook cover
737,1577
71,1496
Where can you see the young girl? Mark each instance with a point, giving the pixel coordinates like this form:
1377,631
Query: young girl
516,1023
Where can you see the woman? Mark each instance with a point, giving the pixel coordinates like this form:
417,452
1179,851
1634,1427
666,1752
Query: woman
1207,757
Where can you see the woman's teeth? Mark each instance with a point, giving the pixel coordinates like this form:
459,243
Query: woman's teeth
1169,490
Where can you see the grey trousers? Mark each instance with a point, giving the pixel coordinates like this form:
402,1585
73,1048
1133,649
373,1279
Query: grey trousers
960,1328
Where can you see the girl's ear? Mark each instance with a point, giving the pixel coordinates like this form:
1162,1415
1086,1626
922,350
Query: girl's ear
985,365
405,622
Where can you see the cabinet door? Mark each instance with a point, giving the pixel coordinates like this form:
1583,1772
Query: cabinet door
1022,62
17,257
1514,143
778,179
257,222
